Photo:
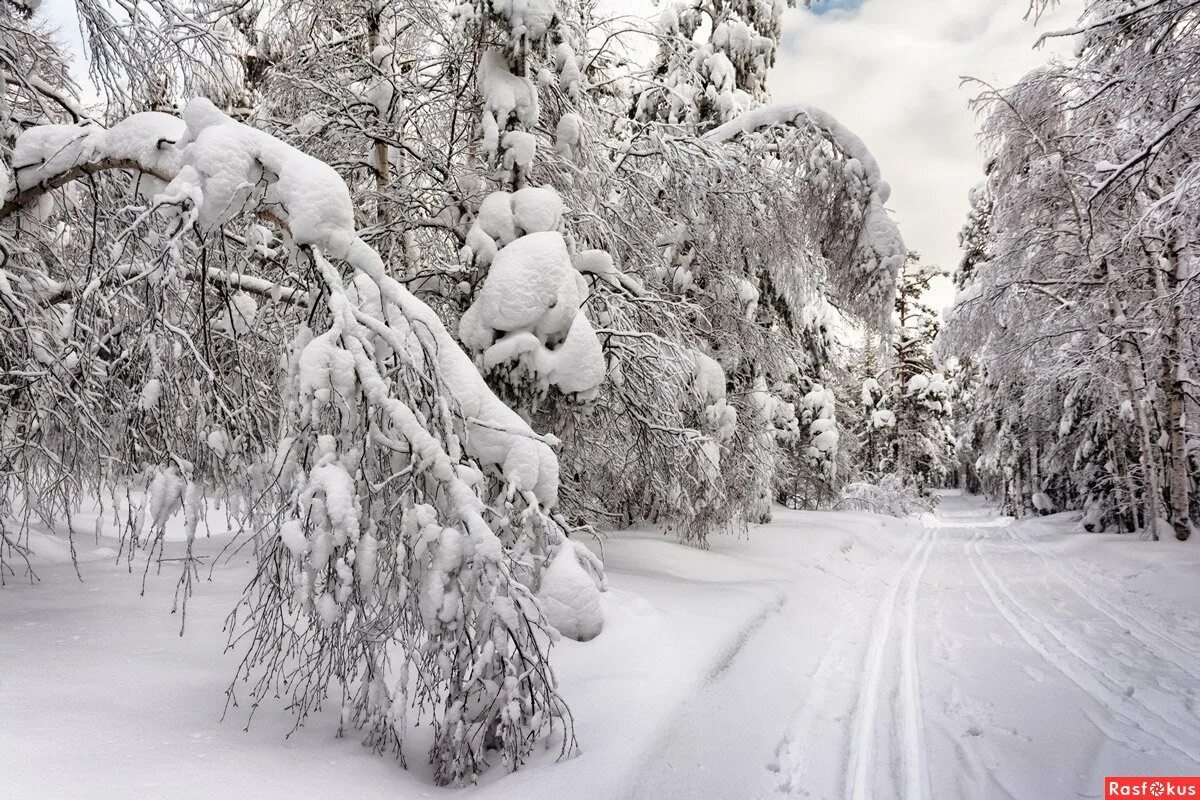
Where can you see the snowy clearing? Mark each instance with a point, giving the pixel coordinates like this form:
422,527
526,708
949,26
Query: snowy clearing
831,655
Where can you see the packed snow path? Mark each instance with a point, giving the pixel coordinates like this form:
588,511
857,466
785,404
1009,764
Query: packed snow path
834,656
979,659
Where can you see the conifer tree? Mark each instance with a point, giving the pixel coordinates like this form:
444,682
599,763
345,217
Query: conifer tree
920,396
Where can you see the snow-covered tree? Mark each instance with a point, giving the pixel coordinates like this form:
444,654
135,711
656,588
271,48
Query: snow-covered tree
769,288
962,379
902,403
975,234
877,421
412,300
1089,243
163,406
920,399
713,60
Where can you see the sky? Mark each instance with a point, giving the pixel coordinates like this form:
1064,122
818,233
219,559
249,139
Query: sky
890,70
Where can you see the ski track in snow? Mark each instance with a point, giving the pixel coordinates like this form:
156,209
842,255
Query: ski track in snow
831,657
1185,658
873,691
1117,656
1105,684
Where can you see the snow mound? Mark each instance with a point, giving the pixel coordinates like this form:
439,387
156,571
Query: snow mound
569,596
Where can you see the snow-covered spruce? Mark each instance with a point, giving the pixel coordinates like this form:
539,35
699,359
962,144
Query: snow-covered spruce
388,444
712,61
819,413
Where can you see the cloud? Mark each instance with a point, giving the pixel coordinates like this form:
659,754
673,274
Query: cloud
891,71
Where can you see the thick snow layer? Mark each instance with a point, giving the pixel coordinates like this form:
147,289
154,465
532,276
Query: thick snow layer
880,250
829,655
531,286
720,418
870,392
788,114
151,393
569,76
883,418
568,135
146,139
708,377
527,18
217,168
505,216
536,209
569,597
506,97
520,148
529,309
576,366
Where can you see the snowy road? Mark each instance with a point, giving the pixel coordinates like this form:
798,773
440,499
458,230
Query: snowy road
978,659
832,656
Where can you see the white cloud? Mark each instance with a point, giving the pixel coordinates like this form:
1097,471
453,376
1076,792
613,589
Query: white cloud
891,72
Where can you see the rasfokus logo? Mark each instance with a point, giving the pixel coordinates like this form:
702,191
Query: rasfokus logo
1157,786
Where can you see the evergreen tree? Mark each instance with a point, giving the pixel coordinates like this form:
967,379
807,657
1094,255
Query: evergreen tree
920,396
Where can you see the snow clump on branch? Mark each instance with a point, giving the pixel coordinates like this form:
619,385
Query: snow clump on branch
380,391
529,309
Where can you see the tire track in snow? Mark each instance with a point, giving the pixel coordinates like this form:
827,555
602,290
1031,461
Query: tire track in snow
858,775
1023,621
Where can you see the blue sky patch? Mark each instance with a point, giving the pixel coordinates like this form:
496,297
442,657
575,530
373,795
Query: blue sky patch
827,6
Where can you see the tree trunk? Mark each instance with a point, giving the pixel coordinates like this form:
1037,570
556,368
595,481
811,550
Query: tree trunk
1123,487
1174,388
383,160
1035,473
1116,315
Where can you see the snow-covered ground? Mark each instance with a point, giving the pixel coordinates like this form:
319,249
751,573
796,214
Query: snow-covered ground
830,655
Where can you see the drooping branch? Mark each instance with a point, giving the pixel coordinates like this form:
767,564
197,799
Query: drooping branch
1112,19
29,196
380,409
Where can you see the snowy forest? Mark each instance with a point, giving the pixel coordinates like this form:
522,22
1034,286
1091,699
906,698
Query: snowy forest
527,392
